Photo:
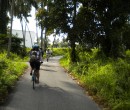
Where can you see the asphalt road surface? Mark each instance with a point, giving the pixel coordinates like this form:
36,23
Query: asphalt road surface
56,91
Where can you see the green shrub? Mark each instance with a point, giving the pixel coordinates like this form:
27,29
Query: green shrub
59,51
105,77
10,70
122,106
127,53
64,61
3,93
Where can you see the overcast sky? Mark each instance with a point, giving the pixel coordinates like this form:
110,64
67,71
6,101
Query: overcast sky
31,24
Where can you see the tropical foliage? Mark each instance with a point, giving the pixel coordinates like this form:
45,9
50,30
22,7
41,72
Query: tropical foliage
102,77
98,33
10,70
91,23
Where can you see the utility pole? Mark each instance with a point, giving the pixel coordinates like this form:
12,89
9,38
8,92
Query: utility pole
36,29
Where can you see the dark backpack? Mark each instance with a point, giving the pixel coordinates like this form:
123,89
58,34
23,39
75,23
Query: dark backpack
33,56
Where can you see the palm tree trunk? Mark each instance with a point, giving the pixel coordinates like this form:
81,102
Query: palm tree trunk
29,33
21,21
45,39
41,36
37,30
10,36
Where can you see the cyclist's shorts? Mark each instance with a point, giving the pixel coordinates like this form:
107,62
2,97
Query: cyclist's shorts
35,64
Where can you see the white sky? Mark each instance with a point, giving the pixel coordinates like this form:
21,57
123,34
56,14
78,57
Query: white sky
31,24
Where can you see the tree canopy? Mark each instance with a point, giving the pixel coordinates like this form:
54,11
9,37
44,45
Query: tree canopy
91,23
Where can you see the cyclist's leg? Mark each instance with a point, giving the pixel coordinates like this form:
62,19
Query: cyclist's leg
41,59
32,64
37,69
47,57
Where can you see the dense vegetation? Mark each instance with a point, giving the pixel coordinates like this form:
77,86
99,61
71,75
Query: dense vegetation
59,51
103,77
16,46
91,23
10,70
101,28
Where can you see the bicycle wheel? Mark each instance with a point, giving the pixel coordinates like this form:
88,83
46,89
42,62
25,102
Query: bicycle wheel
33,78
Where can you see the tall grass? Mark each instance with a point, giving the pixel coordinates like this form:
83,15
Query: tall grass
105,77
59,51
10,70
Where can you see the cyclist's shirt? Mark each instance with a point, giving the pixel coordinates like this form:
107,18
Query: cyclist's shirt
47,52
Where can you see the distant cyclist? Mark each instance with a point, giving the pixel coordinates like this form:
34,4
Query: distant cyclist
35,60
48,54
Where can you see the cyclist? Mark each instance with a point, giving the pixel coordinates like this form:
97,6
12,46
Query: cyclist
47,54
35,57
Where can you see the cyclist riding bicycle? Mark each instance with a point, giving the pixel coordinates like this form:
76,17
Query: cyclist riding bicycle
35,58
48,54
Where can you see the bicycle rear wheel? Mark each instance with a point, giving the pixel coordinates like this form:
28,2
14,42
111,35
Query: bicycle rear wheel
33,79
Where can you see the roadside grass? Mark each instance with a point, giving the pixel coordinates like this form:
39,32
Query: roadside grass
10,70
59,51
56,52
107,80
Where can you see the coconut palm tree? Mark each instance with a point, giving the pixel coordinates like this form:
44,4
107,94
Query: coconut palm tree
20,9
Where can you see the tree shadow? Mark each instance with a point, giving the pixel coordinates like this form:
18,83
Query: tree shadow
48,70
46,97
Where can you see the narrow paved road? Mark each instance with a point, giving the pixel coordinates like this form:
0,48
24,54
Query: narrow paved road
56,91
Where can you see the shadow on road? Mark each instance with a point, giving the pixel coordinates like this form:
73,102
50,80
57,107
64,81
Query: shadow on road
48,70
45,65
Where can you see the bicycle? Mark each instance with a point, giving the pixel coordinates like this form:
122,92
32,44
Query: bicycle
34,78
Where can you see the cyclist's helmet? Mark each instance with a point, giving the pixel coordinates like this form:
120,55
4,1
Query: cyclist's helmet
35,46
